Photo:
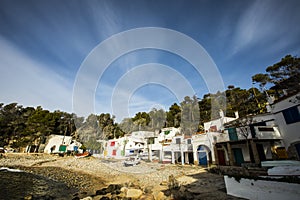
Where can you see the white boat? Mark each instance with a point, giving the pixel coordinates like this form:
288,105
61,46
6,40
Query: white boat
132,161
278,163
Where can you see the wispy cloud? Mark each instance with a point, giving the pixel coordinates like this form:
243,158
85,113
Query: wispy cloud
264,23
43,45
31,83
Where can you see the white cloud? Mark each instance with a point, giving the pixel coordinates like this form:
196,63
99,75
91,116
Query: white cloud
30,83
265,23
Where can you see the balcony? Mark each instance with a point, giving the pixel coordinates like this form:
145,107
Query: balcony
264,132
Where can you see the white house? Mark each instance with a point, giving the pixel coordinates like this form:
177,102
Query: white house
287,116
60,143
179,150
203,144
217,125
251,139
115,147
130,144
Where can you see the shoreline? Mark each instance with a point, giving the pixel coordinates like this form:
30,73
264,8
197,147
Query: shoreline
91,175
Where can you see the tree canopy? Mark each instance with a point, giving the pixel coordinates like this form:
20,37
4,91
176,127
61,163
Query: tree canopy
283,76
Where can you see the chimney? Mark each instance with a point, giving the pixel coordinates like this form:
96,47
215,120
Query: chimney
221,113
236,114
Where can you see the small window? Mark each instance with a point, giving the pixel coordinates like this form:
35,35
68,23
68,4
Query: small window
291,115
177,140
151,141
265,129
167,132
213,128
189,141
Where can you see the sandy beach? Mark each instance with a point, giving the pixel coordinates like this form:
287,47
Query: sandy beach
94,178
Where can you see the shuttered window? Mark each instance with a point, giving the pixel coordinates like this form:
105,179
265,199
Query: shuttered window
291,115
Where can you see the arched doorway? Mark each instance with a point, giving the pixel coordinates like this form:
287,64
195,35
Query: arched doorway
204,155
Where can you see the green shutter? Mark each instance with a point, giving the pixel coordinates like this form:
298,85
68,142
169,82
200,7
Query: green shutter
62,148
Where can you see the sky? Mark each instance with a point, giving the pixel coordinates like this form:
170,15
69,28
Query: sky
61,54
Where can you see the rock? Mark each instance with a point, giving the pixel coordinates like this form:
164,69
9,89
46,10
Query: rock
28,197
121,196
182,189
113,188
124,189
103,191
87,198
161,196
132,185
104,198
147,197
134,193
173,183
164,183
168,192
148,190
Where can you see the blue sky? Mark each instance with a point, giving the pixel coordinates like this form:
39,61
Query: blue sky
43,45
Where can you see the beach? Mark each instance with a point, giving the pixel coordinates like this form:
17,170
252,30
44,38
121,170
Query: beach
99,178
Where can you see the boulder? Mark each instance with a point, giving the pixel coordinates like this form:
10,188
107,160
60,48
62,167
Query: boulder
147,197
124,189
113,188
134,193
103,191
148,190
87,198
160,196
104,198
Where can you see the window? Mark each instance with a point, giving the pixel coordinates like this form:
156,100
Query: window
151,141
213,128
189,141
291,115
167,132
177,140
265,129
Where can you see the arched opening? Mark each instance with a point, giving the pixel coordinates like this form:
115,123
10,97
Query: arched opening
204,155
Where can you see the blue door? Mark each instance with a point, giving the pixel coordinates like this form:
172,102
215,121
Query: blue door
202,157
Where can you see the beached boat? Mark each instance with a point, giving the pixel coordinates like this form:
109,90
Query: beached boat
82,155
132,161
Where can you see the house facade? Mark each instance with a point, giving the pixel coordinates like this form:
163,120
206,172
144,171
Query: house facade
225,141
61,144
134,143
203,143
249,140
287,116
